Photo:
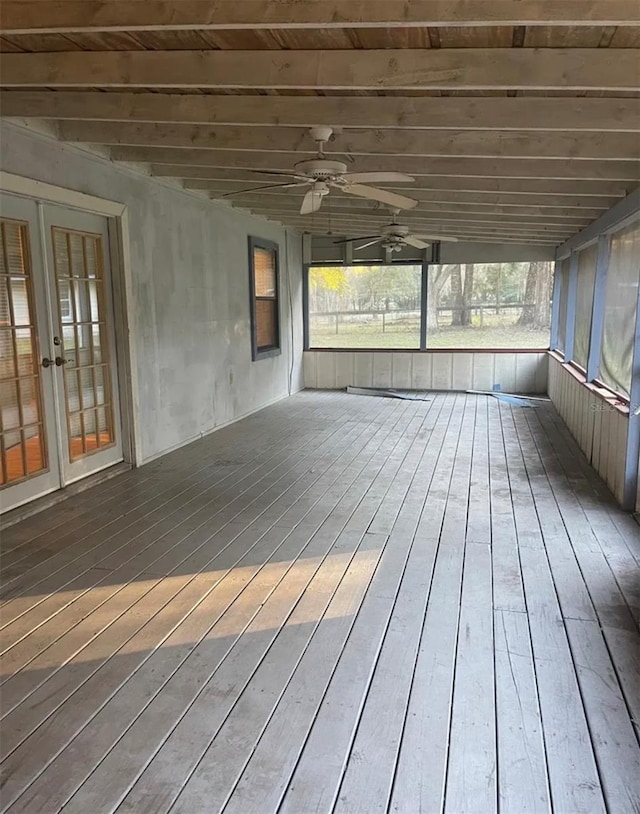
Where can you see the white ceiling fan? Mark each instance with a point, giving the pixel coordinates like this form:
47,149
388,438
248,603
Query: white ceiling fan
322,174
395,236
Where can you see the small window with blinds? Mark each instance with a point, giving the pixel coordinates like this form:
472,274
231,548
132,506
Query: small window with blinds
265,308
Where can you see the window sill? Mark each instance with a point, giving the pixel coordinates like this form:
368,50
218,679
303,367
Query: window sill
613,400
266,353
428,350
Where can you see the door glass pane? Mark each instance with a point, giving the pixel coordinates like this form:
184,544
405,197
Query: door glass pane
14,456
97,331
76,446
22,443
5,313
10,409
35,450
29,399
81,298
86,387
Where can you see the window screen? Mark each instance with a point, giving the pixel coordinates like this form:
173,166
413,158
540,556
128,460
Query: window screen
365,306
489,305
620,309
265,328
587,260
562,309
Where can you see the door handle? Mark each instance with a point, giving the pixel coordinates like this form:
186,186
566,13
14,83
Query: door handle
60,361
47,362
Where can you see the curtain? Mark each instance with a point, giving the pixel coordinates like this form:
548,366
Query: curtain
587,260
621,301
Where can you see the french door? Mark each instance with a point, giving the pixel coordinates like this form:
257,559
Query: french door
59,403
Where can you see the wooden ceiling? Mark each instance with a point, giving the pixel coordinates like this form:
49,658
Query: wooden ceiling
520,129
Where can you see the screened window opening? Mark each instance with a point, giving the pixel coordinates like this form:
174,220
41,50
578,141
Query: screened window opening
365,306
621,299
587,260
480,305
265,309
489,305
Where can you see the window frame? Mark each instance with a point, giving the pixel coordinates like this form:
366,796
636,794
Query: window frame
423,348
272,350
591,373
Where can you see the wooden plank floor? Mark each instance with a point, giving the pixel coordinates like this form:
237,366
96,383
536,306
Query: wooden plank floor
341,604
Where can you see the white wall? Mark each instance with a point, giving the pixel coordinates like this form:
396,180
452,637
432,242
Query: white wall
190,283
599,428
455,370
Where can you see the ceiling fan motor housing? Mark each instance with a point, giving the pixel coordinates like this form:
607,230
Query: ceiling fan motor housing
321,169
394,230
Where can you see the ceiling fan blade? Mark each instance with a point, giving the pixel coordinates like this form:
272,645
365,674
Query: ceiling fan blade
366,245
412,240
288,173
256,189
352,239
437,238
382,195
377,177
311,203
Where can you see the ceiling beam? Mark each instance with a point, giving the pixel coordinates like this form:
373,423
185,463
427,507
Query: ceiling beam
486,113
599,190
625,171
350,227
116,15
337,229
470,238
553,203
347,203
478,221
446,68
482,144
454,226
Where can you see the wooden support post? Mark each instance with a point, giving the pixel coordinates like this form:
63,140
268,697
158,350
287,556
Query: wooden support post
423,299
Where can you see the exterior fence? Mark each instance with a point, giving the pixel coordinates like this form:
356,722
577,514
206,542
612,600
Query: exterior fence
408,319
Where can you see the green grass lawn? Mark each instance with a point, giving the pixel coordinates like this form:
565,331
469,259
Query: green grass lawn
486,336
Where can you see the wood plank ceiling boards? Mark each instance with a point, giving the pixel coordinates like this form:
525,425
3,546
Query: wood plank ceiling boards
520,128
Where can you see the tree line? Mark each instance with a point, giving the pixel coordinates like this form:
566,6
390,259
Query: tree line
455,287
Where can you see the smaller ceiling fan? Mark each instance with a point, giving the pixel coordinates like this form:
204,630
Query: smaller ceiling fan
395,236
323,174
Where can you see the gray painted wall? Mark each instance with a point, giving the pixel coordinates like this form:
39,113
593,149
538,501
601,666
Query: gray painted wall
189,264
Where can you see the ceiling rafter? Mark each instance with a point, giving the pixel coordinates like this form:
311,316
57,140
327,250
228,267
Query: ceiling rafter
552,203
453,69
514,128
531,222
346,202
117,15
483,144
523,188
625,171
407,112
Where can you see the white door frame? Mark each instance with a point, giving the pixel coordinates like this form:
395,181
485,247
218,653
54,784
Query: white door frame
118,217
